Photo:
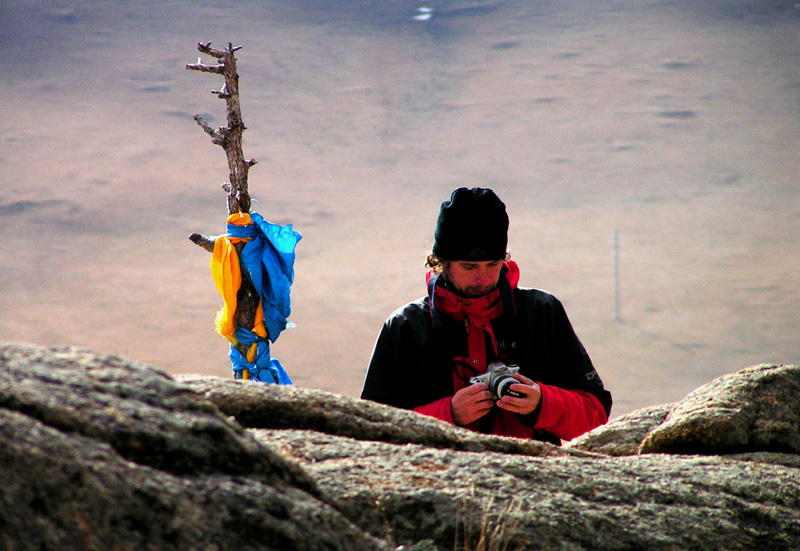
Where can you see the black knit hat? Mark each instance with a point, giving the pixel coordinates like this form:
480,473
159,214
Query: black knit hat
472,225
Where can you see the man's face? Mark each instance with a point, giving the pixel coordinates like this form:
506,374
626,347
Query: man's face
473,279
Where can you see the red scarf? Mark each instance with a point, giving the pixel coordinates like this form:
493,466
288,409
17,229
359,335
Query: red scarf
477,314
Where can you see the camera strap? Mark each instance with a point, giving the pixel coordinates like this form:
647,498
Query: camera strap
507,325
506,293
437,321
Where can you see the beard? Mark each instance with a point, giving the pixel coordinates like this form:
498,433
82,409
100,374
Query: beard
475,291
471,291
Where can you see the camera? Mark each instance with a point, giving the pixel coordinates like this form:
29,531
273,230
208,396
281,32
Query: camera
499,377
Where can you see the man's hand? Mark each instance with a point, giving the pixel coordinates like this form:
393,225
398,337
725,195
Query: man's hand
471,403
526,404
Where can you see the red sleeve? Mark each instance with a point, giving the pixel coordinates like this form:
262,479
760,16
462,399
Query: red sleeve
439,409
569,413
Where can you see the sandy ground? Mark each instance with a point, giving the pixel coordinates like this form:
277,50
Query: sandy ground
675,124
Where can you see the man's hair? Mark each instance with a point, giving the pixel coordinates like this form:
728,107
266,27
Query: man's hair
435,263
439,264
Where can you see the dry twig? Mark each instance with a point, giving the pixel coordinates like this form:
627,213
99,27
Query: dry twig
230,139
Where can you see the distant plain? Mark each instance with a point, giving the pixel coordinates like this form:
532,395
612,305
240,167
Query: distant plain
675,125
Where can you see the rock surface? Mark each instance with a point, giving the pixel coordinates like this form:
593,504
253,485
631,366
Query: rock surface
102,453
756,409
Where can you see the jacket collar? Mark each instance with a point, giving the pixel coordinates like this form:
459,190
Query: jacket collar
483,308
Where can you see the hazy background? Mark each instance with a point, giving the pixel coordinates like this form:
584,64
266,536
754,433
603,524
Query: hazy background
674,123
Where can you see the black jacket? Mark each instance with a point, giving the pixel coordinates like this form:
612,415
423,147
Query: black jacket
412,362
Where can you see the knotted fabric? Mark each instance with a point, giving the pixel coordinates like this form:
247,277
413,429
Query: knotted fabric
268,262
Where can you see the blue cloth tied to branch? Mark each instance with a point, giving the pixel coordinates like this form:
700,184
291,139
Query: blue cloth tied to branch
267,260
263,368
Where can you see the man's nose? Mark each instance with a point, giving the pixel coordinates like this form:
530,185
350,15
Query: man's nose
482,277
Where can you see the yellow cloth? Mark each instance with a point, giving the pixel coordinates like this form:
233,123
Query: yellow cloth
259,330
227,274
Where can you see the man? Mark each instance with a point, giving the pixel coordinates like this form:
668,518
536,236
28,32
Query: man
475,315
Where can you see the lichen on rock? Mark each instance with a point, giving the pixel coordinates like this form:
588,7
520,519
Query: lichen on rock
102,453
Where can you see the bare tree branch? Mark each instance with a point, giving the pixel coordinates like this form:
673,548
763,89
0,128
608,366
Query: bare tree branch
230,136
199,66
216,135
205,241
230,139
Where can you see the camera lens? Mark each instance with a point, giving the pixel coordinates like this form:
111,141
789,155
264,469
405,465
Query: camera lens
502,387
